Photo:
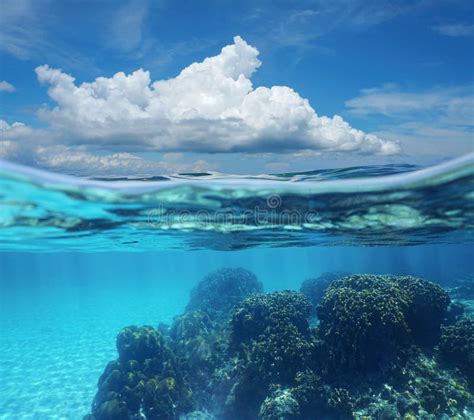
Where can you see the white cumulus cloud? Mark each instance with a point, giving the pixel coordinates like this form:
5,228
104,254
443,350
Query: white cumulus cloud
211,106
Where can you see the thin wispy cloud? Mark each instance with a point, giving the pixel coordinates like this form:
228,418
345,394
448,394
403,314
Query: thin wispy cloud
437,120
25,33
125,31
6,87
455,30
21,30
450,104
307,21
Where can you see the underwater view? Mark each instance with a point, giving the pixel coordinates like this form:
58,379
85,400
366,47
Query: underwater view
331,294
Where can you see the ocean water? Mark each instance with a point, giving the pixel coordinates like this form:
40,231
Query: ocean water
82,259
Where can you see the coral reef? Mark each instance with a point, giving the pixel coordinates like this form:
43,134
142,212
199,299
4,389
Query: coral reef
456,346
269,312
139,343
363,323
422,389
428,306
271,339
366,320
280,405
193,338
309,398
144,380
314,288
221,290
200,345
380,351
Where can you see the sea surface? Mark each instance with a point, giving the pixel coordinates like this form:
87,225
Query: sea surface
82,258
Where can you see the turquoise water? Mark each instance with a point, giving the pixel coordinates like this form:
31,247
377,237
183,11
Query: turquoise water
81,259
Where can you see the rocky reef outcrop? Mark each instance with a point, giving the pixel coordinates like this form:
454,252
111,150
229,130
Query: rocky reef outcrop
366,321
314,288
218,292
384,347
145,380
456,346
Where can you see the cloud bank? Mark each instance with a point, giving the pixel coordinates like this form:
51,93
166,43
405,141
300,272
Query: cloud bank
42,151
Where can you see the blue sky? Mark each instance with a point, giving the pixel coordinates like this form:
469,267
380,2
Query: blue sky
399,76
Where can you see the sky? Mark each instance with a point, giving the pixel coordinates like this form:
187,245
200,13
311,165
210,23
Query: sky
142,87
